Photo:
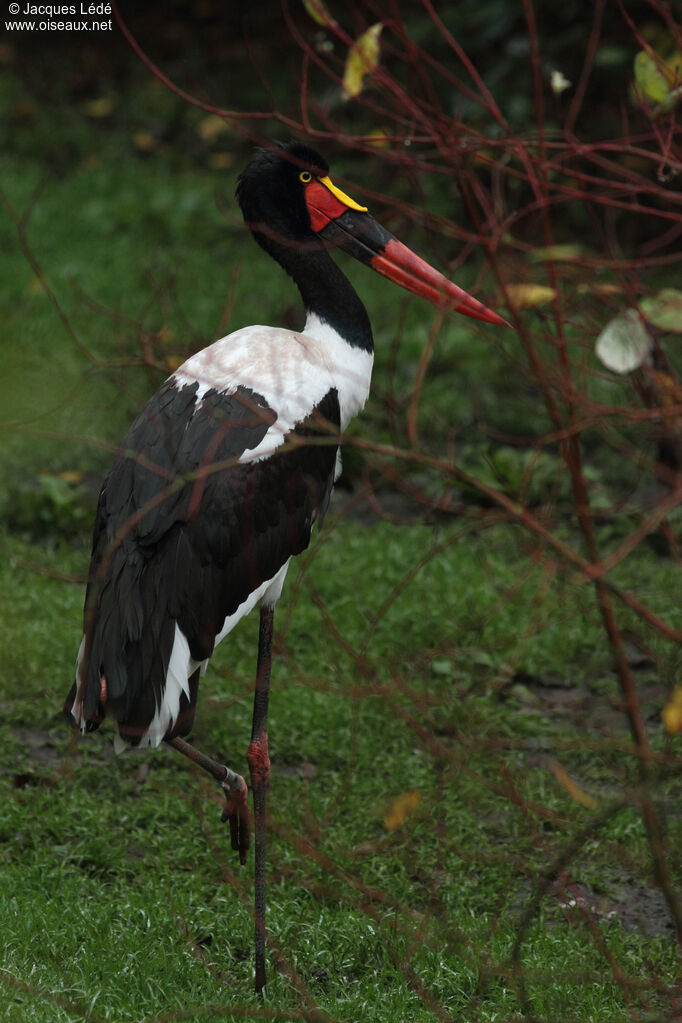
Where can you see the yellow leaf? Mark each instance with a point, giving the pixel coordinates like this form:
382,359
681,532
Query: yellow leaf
672,713
144,140
165,336
362,58
209,128
669,390
101,107
524,295
35,286
380,138
71,475
568,253
220,161
400,808
319,13
602,290
572,787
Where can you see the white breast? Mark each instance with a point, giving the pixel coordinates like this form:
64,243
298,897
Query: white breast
292,371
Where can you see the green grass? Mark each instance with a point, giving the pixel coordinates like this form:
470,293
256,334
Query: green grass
125,897
410,659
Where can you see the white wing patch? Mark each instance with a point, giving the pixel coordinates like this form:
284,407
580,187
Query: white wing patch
77,709
182,665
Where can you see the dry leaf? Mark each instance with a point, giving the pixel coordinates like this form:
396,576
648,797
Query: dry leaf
669,393
400,809
23,110
525,295
572,787
362,58
669,389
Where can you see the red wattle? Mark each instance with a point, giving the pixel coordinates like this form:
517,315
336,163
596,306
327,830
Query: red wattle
322,205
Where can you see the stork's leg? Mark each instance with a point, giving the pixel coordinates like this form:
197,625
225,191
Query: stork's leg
259,765
236,803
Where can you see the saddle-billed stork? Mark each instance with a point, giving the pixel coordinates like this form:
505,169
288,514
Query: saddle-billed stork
222,475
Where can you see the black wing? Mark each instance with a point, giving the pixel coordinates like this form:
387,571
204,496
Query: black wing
184,533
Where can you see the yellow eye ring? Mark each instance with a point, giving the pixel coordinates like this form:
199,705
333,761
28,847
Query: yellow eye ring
305,177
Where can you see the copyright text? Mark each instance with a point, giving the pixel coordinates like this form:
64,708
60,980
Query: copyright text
60,17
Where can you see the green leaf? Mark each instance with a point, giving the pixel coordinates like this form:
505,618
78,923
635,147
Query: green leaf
664,310
656,77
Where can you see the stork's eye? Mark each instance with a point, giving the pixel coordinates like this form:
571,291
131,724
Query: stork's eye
305,177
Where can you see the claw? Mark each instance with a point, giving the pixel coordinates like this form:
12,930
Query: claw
236,811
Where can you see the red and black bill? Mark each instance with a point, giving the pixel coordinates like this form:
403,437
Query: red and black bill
341,222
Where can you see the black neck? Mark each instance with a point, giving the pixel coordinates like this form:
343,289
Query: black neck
325,291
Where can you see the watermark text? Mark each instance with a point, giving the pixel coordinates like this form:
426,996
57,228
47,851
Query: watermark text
81,17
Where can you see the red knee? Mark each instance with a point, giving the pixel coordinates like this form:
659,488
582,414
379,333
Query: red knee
258,760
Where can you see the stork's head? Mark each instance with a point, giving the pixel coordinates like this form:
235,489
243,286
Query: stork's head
290,203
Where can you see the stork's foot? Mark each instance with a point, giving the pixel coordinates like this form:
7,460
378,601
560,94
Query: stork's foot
236,811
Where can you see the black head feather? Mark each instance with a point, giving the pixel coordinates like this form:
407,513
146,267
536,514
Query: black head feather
272,198
271,194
